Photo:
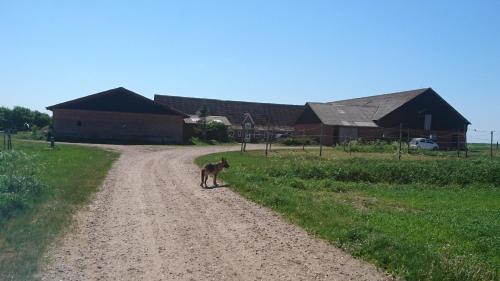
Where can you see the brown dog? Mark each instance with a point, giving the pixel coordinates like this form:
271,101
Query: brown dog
212,169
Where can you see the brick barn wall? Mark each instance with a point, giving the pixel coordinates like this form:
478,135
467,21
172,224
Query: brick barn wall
117,126
314,131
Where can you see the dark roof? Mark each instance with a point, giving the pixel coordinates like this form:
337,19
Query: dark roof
117,100
278,115
367,111
385,103
344,115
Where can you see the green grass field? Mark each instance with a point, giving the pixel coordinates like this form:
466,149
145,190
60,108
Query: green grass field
70,175
424,218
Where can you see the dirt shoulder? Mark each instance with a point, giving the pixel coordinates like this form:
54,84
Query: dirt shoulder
152,221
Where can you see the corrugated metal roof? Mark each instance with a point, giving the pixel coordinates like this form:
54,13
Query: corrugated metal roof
344,115
385,103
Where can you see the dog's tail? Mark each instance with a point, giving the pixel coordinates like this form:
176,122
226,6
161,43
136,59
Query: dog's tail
202,177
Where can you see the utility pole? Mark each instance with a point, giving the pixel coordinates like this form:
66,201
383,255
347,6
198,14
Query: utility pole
321,141
491,146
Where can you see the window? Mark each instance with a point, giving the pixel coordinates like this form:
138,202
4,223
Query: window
239,133
79,123
248,126
427,122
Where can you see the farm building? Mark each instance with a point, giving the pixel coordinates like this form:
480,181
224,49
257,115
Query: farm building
117,116
420,113
255,119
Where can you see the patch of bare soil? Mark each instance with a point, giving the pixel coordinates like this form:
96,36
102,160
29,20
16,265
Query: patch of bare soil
152,221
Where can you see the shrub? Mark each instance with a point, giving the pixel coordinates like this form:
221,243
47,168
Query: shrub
212,131
296,141
18,182
374,146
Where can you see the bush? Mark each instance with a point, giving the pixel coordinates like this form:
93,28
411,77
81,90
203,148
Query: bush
18,182
374,146
214,131
297,141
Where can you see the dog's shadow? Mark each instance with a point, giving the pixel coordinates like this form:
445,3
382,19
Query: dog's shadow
216,186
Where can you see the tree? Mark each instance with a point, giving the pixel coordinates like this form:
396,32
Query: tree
4,117
22,118
203,113
40,119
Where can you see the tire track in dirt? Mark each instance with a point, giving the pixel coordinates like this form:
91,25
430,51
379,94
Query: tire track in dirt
152,221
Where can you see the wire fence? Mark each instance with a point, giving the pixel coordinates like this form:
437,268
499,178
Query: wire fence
6,138
399,141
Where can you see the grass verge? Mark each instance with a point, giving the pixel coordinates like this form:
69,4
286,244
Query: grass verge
421,229
69,174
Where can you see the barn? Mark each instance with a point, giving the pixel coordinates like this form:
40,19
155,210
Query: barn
116,116
415,113
251,120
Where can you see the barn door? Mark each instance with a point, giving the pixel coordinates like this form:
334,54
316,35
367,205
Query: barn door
347,133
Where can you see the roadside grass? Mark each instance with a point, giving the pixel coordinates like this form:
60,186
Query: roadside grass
70,175
420,228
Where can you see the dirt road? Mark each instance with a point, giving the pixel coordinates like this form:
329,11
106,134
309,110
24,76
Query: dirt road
152,221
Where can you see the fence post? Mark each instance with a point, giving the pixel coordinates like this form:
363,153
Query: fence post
9,140
465,141
271,141
408,142
267,137
321,141
400,139
242,136
458,143
350,147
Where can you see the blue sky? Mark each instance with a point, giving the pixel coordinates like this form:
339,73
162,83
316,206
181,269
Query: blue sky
269,51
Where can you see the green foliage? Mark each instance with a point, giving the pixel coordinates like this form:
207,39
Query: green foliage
211,131
18,184
403,216
54,184
217,131
298,141
204,111
18,117
438,172
373,146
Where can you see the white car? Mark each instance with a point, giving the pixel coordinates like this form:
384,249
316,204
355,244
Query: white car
423,143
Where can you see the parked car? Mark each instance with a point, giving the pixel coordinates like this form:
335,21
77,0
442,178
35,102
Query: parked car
423,143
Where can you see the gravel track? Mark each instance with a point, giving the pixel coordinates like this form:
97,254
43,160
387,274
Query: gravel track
152,221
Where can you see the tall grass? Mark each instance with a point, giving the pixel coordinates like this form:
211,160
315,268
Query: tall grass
18,182
438,172
41,188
